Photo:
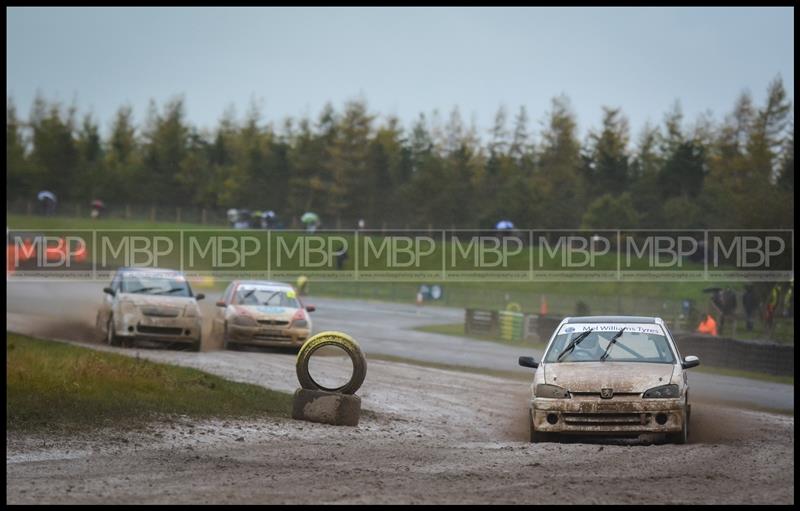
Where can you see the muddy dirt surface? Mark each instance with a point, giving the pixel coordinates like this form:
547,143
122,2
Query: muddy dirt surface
432,436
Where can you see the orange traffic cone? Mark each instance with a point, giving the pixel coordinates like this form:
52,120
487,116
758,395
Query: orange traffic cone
543,306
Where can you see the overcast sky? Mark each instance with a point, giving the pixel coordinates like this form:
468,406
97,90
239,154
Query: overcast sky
402,60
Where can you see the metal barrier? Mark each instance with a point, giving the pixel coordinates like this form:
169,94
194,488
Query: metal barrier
482,322
760,357
539,328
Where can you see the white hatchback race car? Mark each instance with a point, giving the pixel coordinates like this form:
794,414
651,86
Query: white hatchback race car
150,304
609,375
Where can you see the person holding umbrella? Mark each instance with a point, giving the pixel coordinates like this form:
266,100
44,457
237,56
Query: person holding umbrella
506,228
48,201
311,220
97,206
268,219
233,216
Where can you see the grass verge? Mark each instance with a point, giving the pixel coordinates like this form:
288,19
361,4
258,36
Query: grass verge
51,385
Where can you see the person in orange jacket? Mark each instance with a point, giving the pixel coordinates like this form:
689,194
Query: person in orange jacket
708,326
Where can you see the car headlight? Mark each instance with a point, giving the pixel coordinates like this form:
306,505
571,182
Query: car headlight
299,319
551,391
663,391
190,311
244,321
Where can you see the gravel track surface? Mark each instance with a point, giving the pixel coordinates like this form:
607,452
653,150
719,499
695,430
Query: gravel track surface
431,435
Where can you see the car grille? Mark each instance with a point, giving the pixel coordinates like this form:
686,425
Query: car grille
606,419
596,395
273,337
273,322
160,330
160,312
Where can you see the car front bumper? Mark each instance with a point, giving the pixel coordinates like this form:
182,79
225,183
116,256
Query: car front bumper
267,336
180,329
608,416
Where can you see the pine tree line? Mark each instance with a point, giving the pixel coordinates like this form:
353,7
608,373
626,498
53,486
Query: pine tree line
734,173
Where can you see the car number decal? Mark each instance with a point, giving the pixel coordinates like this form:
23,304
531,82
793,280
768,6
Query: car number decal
271,310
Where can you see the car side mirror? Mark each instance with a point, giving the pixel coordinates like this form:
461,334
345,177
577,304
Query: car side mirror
690,361
199,296
310,308
528,362
109,291
220,303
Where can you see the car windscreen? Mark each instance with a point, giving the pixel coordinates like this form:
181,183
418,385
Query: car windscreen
153,284
635,343
258,295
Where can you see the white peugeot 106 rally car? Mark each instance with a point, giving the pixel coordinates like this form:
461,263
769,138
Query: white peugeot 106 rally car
610,375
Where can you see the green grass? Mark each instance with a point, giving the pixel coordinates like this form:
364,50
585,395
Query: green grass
34,222
457,329
52,385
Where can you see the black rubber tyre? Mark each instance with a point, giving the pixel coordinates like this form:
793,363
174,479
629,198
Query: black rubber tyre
340,340
683,435
226,344
111,336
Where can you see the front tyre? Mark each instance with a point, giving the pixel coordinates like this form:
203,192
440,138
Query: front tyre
226,343
111,335
537,436
682,436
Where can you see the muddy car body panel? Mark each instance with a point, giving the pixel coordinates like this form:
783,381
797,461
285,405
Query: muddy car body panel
610,376
150,304
262,313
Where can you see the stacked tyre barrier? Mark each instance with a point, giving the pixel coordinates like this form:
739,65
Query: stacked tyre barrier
316,403
511,325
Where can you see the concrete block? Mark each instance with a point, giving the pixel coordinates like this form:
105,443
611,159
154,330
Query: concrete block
326,407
